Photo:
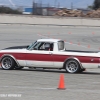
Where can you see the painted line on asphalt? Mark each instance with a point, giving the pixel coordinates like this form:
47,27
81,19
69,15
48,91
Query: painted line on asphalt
36,88
39,88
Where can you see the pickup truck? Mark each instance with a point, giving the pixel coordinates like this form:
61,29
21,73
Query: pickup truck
48,53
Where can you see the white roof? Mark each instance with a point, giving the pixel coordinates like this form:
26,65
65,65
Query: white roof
49,40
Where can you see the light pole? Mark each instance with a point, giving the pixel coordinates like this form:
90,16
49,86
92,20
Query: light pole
55,3
11,3
71,5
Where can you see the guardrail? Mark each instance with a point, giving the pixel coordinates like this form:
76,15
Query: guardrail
43,20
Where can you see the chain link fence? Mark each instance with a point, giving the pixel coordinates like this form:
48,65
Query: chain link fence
34,8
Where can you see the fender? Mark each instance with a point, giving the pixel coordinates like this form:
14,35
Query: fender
9,56
74,58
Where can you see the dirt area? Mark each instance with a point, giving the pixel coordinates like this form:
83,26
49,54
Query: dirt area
78,13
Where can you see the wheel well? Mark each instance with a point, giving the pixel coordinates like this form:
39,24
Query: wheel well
11,57
73,59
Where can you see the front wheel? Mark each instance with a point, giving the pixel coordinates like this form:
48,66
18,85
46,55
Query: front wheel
18,67
72,66
7,63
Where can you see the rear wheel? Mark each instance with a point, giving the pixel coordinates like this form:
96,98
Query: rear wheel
7,63
72,66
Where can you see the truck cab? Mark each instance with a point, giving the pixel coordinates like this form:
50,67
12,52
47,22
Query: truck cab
48,45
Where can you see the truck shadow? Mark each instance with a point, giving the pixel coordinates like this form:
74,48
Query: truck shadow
55,71
46,70
60,71
90,73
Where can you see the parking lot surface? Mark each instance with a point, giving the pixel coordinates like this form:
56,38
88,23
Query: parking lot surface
39,84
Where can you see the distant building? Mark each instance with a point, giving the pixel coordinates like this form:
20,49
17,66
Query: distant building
52,10
45,11
28,11
39,10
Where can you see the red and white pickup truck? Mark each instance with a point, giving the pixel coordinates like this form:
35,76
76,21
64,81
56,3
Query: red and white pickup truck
48,53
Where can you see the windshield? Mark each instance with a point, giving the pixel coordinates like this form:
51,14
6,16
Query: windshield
30,46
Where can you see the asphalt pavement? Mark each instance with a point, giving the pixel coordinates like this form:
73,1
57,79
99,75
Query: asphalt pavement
39,84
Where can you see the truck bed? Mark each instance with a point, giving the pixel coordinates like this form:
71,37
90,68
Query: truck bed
82,51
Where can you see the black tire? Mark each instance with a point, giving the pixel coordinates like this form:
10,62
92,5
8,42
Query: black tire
7,63
81,70
72,66
18,67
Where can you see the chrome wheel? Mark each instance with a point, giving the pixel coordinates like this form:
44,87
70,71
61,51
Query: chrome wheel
72,66
7,63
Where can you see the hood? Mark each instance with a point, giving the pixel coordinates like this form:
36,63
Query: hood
16,47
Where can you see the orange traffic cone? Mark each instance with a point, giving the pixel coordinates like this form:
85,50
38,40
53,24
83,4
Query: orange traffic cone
61,85
88,46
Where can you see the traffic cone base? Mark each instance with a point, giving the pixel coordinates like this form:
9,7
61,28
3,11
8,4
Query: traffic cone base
61,88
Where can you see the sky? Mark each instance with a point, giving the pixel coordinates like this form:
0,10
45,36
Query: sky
61,3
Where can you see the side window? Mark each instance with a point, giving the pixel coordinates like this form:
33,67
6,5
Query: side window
60,45
48,46
44,46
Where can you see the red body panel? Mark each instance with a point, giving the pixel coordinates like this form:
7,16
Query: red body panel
49,57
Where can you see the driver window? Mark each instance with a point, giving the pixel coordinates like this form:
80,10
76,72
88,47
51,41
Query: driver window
45,46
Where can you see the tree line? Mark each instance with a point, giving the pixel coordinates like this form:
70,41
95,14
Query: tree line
96,4
9,10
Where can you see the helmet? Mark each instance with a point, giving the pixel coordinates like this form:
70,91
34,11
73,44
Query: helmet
47,46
